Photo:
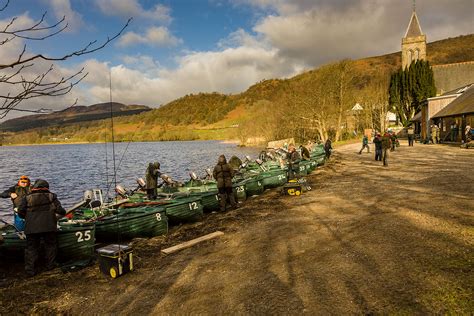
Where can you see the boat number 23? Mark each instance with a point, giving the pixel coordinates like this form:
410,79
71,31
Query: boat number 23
193,206
83,236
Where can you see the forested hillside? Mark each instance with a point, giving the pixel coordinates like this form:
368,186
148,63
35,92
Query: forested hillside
309,105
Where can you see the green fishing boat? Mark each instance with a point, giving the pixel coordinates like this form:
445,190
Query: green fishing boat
75,241
253,185
136,221
273,178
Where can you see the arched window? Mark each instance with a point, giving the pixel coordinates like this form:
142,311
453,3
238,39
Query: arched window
417,54
410,56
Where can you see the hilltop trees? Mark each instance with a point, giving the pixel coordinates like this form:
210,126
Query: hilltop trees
25,75
409,87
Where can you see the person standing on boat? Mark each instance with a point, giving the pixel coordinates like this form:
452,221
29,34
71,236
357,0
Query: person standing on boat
305,153
39,209
151,177
293,161
223,173
16,193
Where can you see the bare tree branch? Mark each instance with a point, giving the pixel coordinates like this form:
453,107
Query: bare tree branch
22,85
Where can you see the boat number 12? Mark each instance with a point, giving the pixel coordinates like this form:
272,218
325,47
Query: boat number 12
83,237
193,206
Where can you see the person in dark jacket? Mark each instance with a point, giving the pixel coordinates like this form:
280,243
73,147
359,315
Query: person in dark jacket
151,179
39,208
305,153
16,193
328,148
365,144
223,173
293,161
378,147
386,145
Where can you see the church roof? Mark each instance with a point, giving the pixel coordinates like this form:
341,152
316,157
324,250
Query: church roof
414,28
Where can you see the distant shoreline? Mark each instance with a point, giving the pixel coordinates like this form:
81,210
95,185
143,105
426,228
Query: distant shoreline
227,141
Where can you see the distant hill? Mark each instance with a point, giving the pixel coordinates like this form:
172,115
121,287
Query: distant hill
72,115
220,116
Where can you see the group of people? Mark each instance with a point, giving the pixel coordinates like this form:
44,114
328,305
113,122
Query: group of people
35,213
383,144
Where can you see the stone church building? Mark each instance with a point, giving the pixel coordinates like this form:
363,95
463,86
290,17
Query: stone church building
414,42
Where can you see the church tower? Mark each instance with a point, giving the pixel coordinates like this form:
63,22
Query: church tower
414,42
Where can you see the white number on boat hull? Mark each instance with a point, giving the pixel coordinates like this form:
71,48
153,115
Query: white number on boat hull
240,189
193,206
259,183
158,217
281,177
83,237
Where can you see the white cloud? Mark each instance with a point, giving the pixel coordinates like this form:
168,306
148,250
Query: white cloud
63,8
154,36
132,8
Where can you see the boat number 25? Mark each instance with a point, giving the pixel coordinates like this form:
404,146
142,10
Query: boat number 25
193,206
83,237
240,189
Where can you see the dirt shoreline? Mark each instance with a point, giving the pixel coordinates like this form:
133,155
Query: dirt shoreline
366,239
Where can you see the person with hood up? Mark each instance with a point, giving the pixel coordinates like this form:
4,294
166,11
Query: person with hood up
151,179
328,148
223,173
294,159
39,209
16,193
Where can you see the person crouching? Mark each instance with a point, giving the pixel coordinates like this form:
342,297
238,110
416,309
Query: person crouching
223,173
39,209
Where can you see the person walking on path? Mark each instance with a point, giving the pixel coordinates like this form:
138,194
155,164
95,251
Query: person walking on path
386,145
365,144
39,208
151,178
328,148
16,193
437,134
411,135
223,173
393,140
378,147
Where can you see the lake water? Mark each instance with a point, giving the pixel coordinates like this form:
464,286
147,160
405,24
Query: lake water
72,169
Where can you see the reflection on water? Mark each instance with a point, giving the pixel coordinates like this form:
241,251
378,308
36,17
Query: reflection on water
72,169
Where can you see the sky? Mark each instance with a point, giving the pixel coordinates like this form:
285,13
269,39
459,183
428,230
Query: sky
177,47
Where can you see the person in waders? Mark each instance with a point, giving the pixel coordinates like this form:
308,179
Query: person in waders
378,147
151,178
328,148
39,209
223,173
16,193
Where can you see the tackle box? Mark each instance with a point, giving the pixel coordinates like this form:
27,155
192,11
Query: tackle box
292,188
115,259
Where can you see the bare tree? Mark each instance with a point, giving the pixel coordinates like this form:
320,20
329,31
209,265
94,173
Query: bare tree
14,76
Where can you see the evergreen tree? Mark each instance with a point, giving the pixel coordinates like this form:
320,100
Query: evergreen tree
409,88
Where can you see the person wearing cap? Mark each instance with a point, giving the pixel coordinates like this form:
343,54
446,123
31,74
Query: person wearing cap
151,178
378,147
16,193
223,173
39,209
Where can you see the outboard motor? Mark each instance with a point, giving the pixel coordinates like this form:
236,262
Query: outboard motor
259,162
193,176
88,196
141,183
270,155
247,158
167,179
121,191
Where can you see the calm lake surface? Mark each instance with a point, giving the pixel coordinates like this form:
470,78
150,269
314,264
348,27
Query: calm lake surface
72,169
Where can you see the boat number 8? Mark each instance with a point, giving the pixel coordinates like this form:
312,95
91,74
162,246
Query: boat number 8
240,189
193,206
158,217
83,237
